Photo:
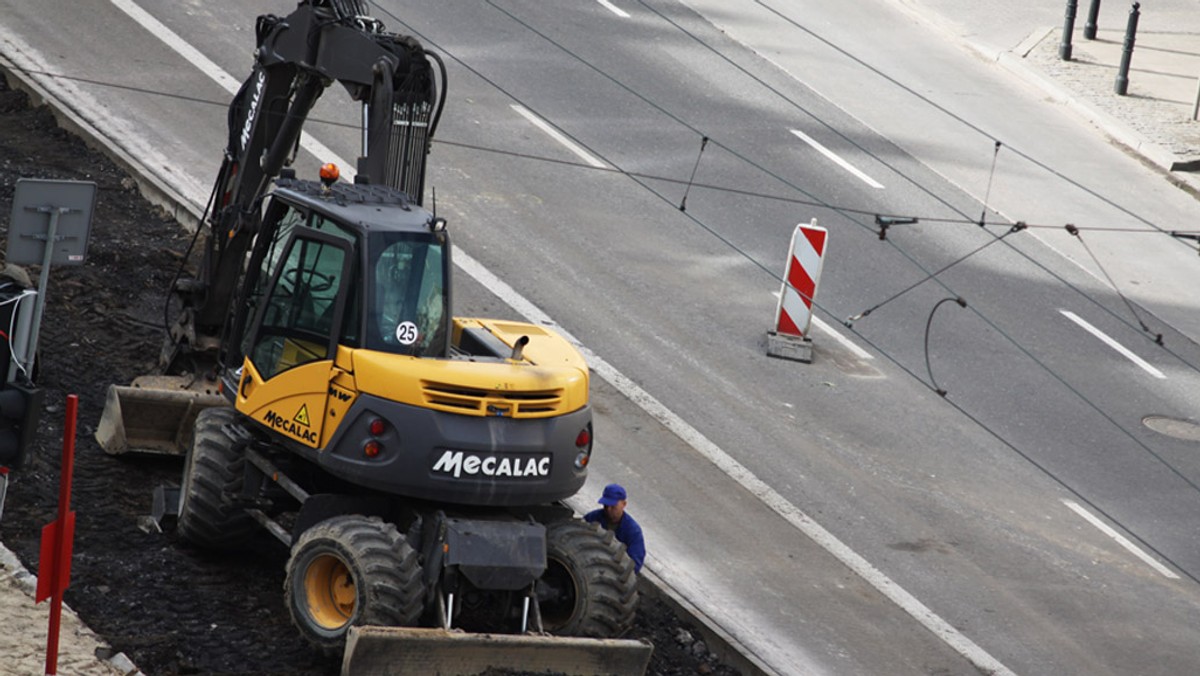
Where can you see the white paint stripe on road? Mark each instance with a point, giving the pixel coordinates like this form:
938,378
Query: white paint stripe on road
614,9
776,502
212,70
849,344
837,158
1121,539
1124,351
558,136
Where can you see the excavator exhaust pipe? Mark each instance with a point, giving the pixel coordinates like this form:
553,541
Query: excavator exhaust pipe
155,414
397,651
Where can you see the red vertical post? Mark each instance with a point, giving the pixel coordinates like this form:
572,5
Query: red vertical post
54,565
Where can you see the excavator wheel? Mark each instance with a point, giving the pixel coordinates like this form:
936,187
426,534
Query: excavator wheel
589,587
212,472
351,570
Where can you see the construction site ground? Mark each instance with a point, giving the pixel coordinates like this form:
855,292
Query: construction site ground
170,608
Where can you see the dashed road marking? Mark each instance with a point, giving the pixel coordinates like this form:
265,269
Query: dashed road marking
837,159
1124,351
614,9
558,136
1120,539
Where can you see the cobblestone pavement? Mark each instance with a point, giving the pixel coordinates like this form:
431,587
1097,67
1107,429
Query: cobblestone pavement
1161,85
26,629
1154,118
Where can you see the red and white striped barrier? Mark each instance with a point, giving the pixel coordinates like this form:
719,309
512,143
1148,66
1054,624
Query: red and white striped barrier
793,316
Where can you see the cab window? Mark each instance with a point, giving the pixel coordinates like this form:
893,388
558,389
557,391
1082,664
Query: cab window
297,321
407,298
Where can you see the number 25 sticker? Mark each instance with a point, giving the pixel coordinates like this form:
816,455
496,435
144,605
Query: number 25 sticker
407,333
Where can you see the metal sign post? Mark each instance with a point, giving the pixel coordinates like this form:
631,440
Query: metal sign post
34,241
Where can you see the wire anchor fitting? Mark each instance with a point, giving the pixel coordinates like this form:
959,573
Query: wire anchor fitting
885,222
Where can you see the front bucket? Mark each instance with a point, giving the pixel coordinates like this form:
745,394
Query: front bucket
154,415
397,651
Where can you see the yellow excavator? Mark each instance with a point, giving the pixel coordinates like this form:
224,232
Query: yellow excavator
414,462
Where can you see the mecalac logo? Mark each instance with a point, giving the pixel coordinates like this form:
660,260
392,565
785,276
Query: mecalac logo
459,463
291,427
255,100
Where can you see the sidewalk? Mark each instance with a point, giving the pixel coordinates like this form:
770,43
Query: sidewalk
26,626
1153,120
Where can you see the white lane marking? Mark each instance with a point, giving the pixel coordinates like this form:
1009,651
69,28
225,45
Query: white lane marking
851,559
824,326
1121,539
558,136
211,69
836,158
614,9
850,345
1124,351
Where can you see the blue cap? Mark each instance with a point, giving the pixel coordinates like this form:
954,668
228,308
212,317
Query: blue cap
613,493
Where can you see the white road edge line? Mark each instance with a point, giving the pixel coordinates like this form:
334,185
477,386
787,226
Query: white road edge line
827,328
1121,539
837,158
801,521
614,9
558,136
1124,351
212,70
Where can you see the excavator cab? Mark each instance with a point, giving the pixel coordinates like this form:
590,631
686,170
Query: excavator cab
305,294
324,280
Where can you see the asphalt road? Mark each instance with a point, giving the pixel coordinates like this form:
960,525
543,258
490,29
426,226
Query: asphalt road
945,542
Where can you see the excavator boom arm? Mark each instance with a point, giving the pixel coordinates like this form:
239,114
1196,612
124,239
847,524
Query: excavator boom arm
296,58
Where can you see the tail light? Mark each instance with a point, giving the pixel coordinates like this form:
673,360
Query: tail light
376,427
372,448
583,443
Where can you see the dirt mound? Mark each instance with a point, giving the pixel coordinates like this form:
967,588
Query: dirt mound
171,608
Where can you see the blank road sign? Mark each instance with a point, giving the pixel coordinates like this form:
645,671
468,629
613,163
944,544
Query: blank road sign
35,202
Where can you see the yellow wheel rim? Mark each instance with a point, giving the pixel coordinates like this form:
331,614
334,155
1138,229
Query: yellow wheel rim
329,588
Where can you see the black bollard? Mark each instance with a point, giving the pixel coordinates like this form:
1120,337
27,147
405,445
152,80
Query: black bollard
1089,27
1064,47
1122,85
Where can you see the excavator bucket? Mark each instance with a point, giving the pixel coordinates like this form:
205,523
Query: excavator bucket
155,414
397,651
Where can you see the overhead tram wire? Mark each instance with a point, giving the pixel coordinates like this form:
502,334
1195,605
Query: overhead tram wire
887,355
818,203
785,182
962,220
997,146
865,339
960,119
812,202
777,177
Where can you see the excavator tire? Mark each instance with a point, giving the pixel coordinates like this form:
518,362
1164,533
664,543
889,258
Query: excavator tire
351,570
212,472
589,588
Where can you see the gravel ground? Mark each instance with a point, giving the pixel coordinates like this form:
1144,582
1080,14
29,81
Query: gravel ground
170,608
